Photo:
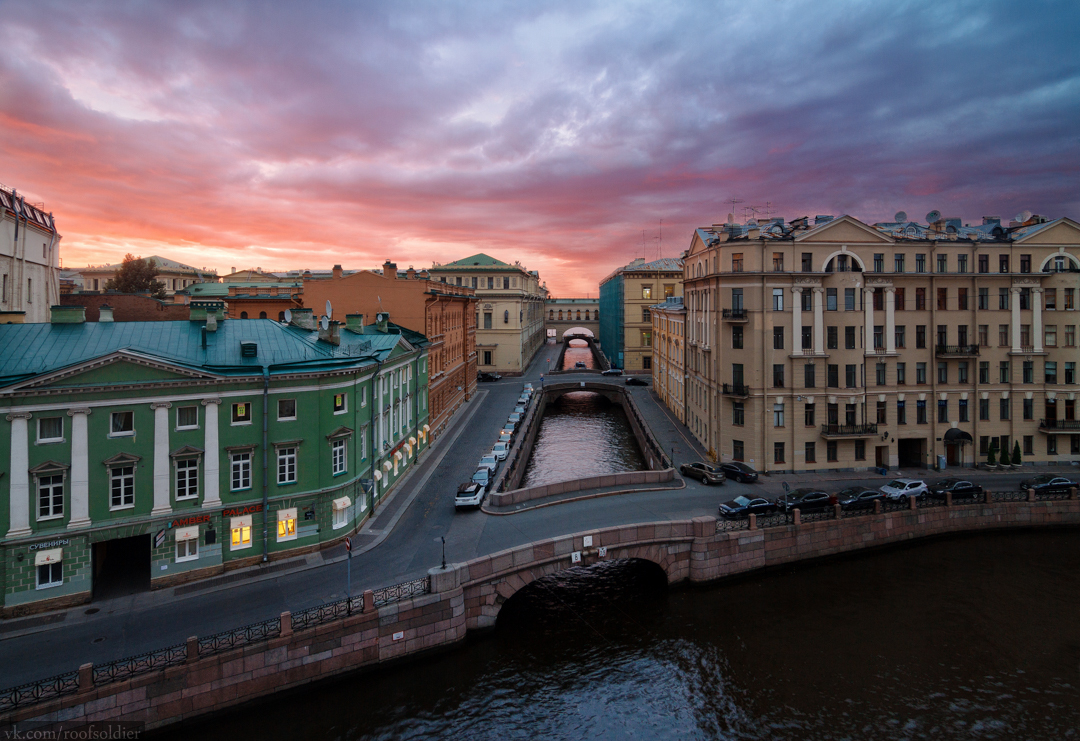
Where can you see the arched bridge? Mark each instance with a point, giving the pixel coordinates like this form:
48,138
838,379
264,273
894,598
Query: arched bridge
597,384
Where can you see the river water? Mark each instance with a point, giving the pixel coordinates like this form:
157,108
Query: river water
578,352
582,434
970,638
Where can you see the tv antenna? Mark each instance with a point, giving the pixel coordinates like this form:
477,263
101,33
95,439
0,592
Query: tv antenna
734,201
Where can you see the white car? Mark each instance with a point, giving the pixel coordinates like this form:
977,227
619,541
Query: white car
523,400
514,419
470,495
519,410
899,489
507,432
500,450
489,462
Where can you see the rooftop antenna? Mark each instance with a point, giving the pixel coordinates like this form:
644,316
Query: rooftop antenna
642,244
660,253
734,201
769,210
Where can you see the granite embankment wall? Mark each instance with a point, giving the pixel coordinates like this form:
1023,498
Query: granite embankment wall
624,478
470,595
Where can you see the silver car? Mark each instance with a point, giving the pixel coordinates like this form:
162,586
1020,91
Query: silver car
899,489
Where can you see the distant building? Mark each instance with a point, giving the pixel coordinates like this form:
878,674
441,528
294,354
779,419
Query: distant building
669,354
255,299
175,275
625,300
125,307
569,313
29,260
510,314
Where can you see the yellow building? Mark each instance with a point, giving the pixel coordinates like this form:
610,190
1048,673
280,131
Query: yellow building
669,352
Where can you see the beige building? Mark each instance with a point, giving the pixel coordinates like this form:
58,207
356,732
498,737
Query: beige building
29,260
669,354
626,298
510,310
840,345
175,275
564,314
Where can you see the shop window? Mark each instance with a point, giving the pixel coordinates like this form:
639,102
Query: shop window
340,512
286,409
241,471
121,424
240,532
187,418
241,413
50,568
50,429
286,524
187,543
187,478
286,465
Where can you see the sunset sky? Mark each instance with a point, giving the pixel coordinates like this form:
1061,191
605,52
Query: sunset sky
286,135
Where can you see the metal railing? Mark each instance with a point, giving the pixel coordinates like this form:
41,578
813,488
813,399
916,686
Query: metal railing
864,429
723,526
39,691
734,313
327,612
735,389
776,519
386,595
895,505
927,502
825,514
1059,424
133,666
229,639
957,349
845,513
1009,496
1043,496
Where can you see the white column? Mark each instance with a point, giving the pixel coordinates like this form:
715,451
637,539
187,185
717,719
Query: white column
212,467
868,307
819,321
162,504
80,469
1036,324
796,322
890,319
1016,320
19,491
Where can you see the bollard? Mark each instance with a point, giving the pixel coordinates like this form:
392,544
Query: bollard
753,521
286,624
911,502
1072,493
86,677
1031,495
192,649
837,511
988,496
797,517
948,499
369,600
877,506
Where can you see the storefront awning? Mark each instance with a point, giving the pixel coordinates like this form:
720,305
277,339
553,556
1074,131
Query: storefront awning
378,475
56,555
238,522
289,514
186,533
957,436
340,503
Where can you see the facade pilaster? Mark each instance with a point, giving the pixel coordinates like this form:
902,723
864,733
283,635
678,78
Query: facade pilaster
1036,323
819,321
1016,320
890,320
868,307
162,469
796,322
80,469
212,467
19,489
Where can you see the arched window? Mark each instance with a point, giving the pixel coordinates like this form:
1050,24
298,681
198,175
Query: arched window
551,313
281,316
579,315
560,315
262,314
243,315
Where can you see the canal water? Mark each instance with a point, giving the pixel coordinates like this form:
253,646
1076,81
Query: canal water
578,352
970,638
582,434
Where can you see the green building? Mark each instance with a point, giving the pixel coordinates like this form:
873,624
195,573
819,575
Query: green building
145,454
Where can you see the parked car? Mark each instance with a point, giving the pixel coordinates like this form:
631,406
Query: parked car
490,462
506,437
580,364
470,494
898,489
858,497
528,387
519,409
635,381
483,477
523,400
744,506
806,500
738,471
484,376
1047,483
500,450
514,419
709,474
508,429
960,488
612,372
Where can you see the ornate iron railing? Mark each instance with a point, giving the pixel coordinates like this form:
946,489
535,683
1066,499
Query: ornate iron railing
133,666
39,691
735,389
327,612
956,350
230,639
1059,424
825,514
1053,494
866,429
776,519
1009,496
927,502
734,313
387,595
894,505
856,512
729,525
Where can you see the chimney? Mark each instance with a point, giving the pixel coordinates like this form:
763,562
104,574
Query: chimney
337,271
410,273
67,314
303,318
389,270
354,323
232,270
211,323
382,320
105,313
332,334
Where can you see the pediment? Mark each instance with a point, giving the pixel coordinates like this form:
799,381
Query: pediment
844,230
187,451
1063,231
49,467
340,432
122,459
121,367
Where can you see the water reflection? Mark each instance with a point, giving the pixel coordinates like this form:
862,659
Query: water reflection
578,352
582,434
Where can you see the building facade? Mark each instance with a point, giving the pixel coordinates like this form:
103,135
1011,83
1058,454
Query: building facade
175,275
669,354
509,313
626,300
571,313
29,260
840,345
169,451
444,313
255,299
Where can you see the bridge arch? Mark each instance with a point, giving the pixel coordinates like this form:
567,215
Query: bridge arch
581,332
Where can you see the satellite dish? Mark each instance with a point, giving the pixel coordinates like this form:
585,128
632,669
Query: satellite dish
901,216
325,323
329,308
933,216
1023,216
288,315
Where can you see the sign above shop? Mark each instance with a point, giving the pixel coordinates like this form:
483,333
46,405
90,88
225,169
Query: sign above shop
240,511
186,521
49,544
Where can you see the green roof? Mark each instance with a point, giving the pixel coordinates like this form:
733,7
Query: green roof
477,260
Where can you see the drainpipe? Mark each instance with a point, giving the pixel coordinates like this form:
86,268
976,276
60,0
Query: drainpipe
265,466
374,430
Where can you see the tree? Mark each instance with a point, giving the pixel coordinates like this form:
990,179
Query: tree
137,275
1016,453
991,455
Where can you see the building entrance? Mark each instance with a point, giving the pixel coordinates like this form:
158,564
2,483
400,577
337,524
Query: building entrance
912,452
881,456
121,567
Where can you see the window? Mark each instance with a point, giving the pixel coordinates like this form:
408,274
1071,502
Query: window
984,409
1003,299
920,299
1025,299
1051,444
833,373
1050,299
1070,335
778,415
737,374
901,413
920,263
646,315
898,262
809,376
1029,371
778,299
832,343
920,336
1003,335
984,444
942,335
286,465
1029,445
880,373
920,373
474,284
737,450
807,338
241,471
900,336
778,375
646,338
807,300
286,408
1029,408
882,413
984,371
920,412
1070,371
241,413
50,574
942,372
1003,263
832,414
1004,376
943,411
122,487
1050,335
50,496
506,283
1025,263
737,337
984,263
849,299
187,478
811,452
738,413
1050,371
646,362
187,547
849,414
879,336
984,299
1069,294
879,299
879,263
778,338
240,530
50,429
830,299
340,516
121,423
778,453
807,262
1003,409
778,262
860,450
286,524
487,320
808,415
984,335
899,301
737,262
487,357
830,450
901,374
849,338
337,456
646,292
943,263
736,299
850,377
961,263
669,292
962,299
942,298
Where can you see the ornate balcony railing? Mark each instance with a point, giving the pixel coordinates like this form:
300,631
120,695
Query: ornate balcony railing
735,314
864,430
956,350
1059,425
735,389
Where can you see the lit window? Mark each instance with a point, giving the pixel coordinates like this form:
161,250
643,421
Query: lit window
240,528
286,524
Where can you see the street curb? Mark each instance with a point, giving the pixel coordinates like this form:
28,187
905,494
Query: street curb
584,498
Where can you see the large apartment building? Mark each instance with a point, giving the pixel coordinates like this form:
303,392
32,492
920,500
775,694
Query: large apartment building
626,298
29,260
841,345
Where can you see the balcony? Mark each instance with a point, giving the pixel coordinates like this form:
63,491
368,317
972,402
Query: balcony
735,389
735,315
956,351
1052,426
866,430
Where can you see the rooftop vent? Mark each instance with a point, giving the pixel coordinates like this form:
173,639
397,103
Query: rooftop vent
249,349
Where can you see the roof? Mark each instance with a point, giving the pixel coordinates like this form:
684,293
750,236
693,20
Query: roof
34,214
672,303
480,261
221,290
663,265
163,263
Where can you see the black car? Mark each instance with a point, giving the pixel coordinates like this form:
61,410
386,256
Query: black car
738,471
635,381
484,376
708,473
743,506
960,488
806,500
612,372
858,497
1047,483
580,364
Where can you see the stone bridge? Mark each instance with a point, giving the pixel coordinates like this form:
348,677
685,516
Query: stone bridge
590,381
599,359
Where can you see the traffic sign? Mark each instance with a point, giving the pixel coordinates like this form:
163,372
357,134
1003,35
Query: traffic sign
348,544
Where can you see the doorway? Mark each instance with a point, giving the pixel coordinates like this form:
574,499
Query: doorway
952,454
881,456
912,452
121,567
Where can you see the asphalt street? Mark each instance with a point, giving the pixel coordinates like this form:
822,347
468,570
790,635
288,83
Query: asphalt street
401,542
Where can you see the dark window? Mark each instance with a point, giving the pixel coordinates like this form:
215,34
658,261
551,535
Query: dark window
1029,444
850,376
833,376
1003,263
901,336
1003,299
920,412
849,414
738,413
1025,263
831,340
808,415
830,299
880,374
811,452
961,299
860,450
879,336
807,338
943,263
832,412
920,373
849,338
901,413
849,299
942,298
920,336
778,338
807,300
942,411
1029,371
1029,409
830,450
984,263
809,376
984,409
879,300
942,372
778,376
920,299
882,413
1003,371
1003,409
879,262
737,337
901,374
920,263
984,299
778,452
737,449
807,262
